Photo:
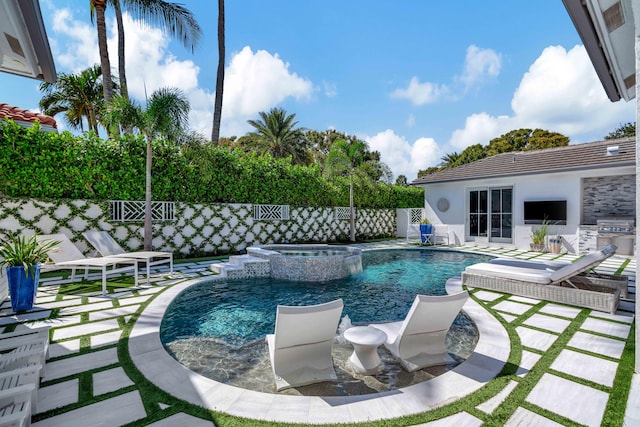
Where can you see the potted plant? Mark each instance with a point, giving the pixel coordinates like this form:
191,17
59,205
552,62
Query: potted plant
538,237
21,258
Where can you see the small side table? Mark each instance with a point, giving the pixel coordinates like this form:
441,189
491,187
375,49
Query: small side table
365,340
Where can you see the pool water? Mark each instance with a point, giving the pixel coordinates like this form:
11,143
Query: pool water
218,328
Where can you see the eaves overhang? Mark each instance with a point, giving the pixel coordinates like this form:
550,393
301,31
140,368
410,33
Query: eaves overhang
24,46
607,30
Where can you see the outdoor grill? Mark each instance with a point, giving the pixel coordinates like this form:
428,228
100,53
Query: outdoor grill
619,230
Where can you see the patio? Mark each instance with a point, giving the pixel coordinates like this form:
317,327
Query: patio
573,366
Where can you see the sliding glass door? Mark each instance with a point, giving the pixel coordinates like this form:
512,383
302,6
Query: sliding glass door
490,215
501,215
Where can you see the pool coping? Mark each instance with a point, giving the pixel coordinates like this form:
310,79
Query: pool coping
154,362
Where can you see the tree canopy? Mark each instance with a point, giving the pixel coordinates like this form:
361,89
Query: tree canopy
515,140
625,130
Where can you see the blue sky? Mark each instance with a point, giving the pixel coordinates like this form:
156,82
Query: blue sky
415,79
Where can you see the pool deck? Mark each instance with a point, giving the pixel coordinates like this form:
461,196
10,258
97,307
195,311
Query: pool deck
104,358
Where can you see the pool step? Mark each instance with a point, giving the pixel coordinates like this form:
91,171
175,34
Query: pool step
243,267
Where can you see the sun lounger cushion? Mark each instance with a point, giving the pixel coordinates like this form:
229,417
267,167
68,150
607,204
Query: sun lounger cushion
533,275
578,266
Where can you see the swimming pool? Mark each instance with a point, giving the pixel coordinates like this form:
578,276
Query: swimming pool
217,329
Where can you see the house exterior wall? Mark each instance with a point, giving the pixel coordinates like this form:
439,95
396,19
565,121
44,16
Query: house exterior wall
557,186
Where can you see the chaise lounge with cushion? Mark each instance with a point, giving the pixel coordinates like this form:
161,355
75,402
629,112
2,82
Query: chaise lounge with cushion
589,276
564,285
107,246
67,256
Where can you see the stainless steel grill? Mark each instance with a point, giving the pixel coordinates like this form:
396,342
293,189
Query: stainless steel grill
619,231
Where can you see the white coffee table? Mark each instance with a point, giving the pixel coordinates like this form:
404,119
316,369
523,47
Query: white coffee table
365,341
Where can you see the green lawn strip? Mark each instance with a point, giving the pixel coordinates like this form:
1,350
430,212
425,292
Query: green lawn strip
524,388
550,415
617,404
85,392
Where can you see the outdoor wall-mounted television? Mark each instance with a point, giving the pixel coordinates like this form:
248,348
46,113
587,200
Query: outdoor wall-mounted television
554,211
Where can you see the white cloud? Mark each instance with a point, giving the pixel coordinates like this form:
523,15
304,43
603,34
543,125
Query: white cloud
411,121
254,82
479,129
404,158
561,93
479,65
420,93
330,89
79,49
257,82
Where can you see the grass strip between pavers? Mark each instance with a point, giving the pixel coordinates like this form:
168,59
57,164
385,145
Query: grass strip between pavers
152,396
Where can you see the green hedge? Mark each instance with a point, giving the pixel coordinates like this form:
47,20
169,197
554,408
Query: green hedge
51,165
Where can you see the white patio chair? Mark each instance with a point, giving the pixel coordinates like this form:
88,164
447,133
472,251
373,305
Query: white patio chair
67,256
300,348
18,377
21,351
39,334
107,246
15,406
419,340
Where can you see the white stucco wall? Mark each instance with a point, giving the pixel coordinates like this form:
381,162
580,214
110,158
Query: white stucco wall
557,186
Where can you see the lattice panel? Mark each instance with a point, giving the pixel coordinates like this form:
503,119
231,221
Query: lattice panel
416,215
271,212
198,229
341,213
129,211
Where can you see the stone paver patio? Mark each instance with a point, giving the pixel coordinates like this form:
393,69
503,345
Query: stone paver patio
566,371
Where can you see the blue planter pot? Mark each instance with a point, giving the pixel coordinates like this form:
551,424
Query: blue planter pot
22,288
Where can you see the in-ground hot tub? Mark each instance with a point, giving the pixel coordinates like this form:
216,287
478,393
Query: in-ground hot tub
310,263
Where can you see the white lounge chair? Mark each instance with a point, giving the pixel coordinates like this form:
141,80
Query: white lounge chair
300,348
67,256
419,340
15,406
29,374
40,334
107,246
564,285
22,351
551,265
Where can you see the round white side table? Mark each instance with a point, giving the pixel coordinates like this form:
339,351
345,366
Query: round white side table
365,341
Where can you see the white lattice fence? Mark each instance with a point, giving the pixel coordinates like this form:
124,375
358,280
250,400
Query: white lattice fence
131,211
197,229
416,215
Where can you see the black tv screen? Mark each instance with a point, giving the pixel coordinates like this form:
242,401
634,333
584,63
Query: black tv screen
554,211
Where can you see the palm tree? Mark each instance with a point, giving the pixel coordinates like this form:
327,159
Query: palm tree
448,160
276,134
347,159
217,106
166,115
98,8
173,18
78,96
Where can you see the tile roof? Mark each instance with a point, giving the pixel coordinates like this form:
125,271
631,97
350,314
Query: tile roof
25,116
591,155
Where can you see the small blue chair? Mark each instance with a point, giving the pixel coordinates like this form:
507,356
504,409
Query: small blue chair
427,234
